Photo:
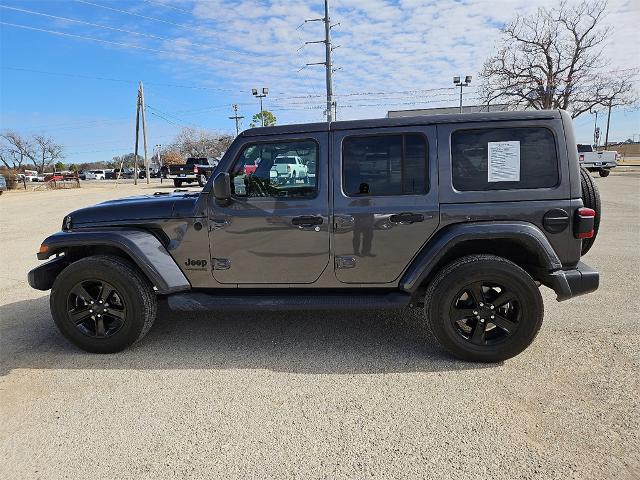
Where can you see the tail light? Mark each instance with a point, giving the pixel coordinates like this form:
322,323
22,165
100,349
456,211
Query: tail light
195,169
581,157
584,224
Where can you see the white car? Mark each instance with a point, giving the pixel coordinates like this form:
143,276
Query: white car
288,168
96,174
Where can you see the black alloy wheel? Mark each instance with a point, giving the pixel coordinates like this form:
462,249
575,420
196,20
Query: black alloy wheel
483,308
96,308
103,303
485,313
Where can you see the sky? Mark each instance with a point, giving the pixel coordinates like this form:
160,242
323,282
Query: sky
77,80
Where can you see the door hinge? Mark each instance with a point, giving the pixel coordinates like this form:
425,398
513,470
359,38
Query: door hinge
345,262
221,263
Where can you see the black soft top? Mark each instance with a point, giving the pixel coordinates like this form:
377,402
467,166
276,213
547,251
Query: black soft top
403,121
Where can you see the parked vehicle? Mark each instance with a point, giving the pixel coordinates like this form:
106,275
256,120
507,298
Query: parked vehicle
97,174
465,216
53,177
288,169
194,170
601,162
3,184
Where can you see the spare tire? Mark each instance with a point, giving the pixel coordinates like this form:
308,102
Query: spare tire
590,199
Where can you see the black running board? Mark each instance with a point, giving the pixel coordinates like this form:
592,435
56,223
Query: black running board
206,302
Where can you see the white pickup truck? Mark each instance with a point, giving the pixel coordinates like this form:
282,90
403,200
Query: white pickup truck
601,162
288,169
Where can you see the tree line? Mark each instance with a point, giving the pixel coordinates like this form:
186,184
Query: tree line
41,151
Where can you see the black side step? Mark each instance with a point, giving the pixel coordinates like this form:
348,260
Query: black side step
205,302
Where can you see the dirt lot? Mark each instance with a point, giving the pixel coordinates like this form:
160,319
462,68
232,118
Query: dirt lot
324,394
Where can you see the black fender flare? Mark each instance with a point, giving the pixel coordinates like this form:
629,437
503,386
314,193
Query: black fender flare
146,251
524,233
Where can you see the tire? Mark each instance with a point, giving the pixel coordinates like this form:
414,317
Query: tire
444,304
133,299
177,183
590,199
604,173
202,179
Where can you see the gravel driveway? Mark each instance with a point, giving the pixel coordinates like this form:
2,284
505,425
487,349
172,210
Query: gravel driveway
323,394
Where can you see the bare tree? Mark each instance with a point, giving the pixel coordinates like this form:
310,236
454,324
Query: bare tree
16,149
191,142
553,59
48,152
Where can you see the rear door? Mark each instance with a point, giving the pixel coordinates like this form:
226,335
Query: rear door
275,230
385,195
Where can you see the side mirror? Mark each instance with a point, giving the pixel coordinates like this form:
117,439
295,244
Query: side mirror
222,186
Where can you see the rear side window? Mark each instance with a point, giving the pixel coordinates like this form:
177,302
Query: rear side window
385,165
504,159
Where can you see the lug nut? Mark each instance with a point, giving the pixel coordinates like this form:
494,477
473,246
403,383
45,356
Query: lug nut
475,312
478,317
90,310
481,304
491,307
482,320
492,317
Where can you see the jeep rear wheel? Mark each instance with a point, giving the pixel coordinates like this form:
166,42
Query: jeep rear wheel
484,308
102,304
177,183
590,199
604,173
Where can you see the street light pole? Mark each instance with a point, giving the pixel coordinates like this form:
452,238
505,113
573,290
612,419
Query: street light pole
467,81
265,92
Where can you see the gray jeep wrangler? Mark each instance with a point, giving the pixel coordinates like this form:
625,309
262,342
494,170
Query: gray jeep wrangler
464,215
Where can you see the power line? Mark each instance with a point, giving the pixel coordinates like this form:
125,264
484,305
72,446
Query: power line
123,80
146,17
120,44
166,5
148,35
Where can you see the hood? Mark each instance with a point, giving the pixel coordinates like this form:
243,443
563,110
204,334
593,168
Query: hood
143,207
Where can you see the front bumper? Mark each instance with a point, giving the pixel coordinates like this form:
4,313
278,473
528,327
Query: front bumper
576,281
43,276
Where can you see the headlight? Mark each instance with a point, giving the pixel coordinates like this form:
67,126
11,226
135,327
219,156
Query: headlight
66,223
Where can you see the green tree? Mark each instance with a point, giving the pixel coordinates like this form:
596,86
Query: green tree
59,166
269,119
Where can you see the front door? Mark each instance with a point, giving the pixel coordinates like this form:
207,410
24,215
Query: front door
385,200
275,229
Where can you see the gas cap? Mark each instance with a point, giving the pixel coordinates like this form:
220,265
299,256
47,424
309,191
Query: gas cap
556,220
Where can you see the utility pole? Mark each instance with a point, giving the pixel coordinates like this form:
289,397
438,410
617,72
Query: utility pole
328,65
606,135
140,109
237,118
144,132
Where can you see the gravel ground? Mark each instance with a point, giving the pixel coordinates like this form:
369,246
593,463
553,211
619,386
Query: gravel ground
323,394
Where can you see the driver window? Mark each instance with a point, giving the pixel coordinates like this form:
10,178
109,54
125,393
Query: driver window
278,169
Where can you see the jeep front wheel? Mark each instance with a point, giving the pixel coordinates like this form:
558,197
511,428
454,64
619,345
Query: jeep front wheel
102,304
484,308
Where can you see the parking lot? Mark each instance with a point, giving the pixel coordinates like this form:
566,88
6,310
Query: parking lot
321,394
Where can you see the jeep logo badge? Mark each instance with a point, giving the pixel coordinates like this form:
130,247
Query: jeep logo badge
196,264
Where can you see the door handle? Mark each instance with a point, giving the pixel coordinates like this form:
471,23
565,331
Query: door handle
407,217
306,221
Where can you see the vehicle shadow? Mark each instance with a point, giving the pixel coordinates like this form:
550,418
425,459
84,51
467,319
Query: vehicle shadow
341,342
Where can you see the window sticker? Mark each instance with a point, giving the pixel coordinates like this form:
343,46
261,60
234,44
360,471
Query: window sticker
504,161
